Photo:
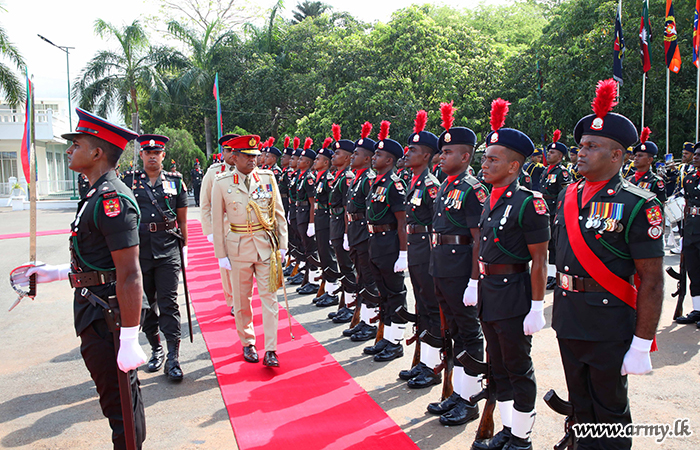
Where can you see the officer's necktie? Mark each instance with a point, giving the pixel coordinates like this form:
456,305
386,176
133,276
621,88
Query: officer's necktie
247,182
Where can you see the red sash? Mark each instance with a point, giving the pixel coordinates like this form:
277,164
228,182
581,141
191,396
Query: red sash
589,261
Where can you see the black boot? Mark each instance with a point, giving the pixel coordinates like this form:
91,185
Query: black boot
408,374
516,443
157,354
426,378
344,316
462,413
445,405
172,365
692,317
495,443
376,348
390,352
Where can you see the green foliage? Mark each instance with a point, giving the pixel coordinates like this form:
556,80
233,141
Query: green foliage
11,88
183,150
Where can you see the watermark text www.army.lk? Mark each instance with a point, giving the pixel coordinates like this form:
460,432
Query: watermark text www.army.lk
680,428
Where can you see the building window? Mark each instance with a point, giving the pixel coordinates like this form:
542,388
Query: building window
8,166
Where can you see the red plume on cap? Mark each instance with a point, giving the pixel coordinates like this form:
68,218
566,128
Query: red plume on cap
556,136
260,146
270,141
196,160
405,150
308,142
326,142
499,111
421,120
335,128
645,135
366,130
384,130
446,112
296,142
286,142
604,97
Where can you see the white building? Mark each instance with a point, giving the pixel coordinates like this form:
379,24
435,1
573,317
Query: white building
51,120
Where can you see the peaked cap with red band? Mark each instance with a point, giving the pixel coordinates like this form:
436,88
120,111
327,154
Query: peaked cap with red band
248,145
152,141
93,125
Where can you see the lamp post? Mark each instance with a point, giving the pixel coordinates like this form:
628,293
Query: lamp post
70,111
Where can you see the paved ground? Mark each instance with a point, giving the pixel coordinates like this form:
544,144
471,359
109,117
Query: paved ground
47,400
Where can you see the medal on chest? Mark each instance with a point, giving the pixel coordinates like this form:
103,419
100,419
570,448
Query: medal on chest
504,219
645,185
604,216
379,194
552,178
454,199
417,197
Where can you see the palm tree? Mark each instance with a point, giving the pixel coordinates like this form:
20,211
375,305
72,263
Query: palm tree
117,78
309,9
10,85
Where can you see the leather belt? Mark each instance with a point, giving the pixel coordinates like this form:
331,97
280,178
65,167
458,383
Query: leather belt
88,279
248,228
573,283
158,226
338,211
284,195
383,227
450,239
303,203
354,217
418,229
694,211
321,211
501,269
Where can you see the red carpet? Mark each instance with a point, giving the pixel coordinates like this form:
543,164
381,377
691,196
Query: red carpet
39,233
308,403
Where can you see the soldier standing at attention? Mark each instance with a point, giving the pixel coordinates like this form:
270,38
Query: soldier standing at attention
534,168
340,185
454,263
573,165
422,192
553,181
299,247
162,198
270,156
205,211
306,190
607,231
691,237
254,245
104,270
386,223
515,230
196,176
358,236
643,159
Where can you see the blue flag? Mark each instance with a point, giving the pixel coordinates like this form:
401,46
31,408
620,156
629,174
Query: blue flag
618,46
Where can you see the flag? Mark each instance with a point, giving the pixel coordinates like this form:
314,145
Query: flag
673,55
645,37
26,147
696,35
218,106
618,46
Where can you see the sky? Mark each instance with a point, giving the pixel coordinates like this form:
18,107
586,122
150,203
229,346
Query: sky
70,23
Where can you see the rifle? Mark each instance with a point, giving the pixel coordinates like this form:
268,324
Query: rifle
444,343
403,313
488,393
180,243
565,409
682,285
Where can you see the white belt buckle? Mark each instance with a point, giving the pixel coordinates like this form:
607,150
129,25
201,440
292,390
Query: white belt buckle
567,281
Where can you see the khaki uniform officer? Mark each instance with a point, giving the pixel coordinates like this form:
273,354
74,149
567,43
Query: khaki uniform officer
254,244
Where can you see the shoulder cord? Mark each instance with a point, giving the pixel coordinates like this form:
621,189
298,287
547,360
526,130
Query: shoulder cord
276,278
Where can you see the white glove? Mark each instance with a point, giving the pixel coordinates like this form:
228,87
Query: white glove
401,264
471,293
131,354
47,273
637,360
224,263
534,321
210,238
283,253
346,245
311,230
186,262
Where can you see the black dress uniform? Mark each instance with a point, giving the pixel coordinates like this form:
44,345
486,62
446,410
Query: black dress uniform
438,173
691,234
294,236
196,176
535,171
554,179
322,224
159,256
620,224
83,185
306,185
650,182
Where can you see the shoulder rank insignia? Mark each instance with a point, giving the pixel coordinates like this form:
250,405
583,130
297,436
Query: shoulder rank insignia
111,206
540,206
654,215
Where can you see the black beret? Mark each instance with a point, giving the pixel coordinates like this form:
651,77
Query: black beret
647,147
366,143
289,151
614,126
344,144
559,146
274,150
688,147
327,152
457,135
298,152
424,138
573,150
391,146
308,153
513,139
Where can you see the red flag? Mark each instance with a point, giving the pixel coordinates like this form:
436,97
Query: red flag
673,55
645,37
696,34
26,147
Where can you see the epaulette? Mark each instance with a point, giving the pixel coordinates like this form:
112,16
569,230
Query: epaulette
214,166
636,190
174,174
395,178
430,180
265,172
472,181
221,176
371,174
329,175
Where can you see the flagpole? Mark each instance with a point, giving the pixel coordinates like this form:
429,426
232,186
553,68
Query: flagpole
668,102
33,179
697,105
644,93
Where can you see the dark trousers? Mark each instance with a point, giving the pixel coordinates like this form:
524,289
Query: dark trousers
427,305
691,255
309,245
552,246
97,348
596,388
325,252
391,287
461,320
511,366
295,237
359,254
160,280
196,188
347,268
